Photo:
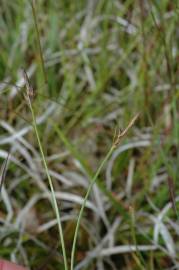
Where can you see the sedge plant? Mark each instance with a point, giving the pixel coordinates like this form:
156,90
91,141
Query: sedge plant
116,142
30,92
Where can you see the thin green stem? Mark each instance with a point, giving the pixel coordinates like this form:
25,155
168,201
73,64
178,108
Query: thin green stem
38,41
54,201
84,204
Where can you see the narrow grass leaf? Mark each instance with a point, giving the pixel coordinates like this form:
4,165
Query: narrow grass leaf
3,171
54,201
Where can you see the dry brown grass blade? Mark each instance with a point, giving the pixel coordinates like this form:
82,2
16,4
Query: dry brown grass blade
3,171
172,194
124,132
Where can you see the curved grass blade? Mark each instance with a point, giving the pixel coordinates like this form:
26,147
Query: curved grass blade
3,171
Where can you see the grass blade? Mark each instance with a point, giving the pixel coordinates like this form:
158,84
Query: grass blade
38,40
172,195
84,203
114,201
3,171
54,201
116,142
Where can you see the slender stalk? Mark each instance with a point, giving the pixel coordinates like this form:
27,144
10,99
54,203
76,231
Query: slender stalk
84,204
38,40
54,202
116,142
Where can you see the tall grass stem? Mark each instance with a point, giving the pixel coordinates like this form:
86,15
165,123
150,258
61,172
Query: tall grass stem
54,201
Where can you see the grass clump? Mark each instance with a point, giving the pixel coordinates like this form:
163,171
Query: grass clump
92,65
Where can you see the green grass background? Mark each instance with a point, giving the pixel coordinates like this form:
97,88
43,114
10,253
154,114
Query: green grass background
100,63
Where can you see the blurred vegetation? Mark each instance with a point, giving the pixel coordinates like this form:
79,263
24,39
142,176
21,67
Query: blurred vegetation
104,61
